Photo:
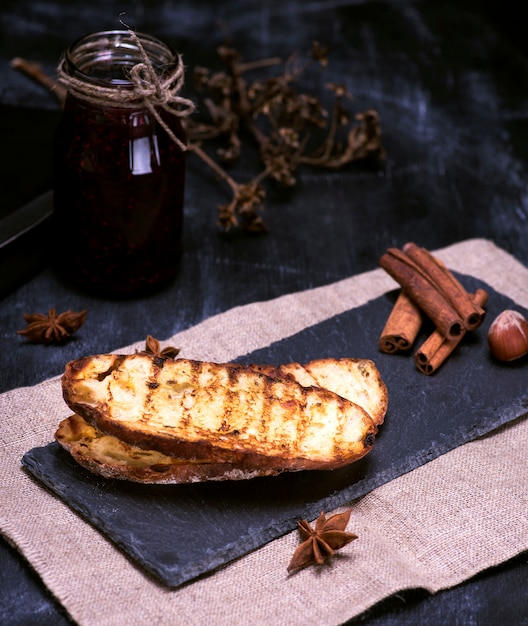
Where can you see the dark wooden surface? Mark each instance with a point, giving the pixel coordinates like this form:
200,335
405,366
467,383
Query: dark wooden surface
450,82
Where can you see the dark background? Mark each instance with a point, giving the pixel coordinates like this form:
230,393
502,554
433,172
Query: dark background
450,83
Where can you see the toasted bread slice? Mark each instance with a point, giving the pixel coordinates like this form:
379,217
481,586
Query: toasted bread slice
196,410
109,457
357,380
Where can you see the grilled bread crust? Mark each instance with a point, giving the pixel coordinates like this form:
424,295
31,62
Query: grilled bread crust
223,413
109,457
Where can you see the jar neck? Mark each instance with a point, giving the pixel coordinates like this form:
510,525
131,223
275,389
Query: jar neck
122,68
105,59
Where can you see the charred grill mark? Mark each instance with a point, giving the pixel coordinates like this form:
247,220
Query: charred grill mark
152,384
234,375
369,440
159,361
302,414
231,395
306,416
267,395
185,417
285,373
115,365
363,370
195,371
192,379
160,469
298,414
338,438
267,370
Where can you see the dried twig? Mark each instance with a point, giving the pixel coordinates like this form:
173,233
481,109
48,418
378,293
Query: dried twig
36,73
281,122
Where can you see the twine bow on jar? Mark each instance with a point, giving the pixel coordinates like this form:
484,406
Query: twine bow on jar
155,91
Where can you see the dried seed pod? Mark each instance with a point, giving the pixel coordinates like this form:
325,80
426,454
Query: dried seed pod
508,336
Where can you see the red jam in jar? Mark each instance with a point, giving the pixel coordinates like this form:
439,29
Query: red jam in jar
118,173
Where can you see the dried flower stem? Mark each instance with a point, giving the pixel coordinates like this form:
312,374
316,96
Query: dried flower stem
196,148
281,122
259,64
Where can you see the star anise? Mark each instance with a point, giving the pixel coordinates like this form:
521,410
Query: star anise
152,346
320,543
52,328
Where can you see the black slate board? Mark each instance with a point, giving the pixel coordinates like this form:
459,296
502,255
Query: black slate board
178,533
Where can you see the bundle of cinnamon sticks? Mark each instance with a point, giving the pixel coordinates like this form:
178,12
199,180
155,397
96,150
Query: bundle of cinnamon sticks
429,289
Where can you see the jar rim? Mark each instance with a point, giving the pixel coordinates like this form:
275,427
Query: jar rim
106,57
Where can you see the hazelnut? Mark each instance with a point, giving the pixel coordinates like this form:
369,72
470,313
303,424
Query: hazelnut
508,336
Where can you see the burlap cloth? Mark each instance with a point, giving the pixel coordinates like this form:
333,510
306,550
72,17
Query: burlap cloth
432,528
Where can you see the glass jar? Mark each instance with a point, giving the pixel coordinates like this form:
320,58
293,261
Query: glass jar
118,172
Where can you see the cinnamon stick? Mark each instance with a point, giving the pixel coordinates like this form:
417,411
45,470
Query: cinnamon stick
402,326
447,284
423,291
436,348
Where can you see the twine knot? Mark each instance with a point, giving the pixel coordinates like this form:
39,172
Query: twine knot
147,88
